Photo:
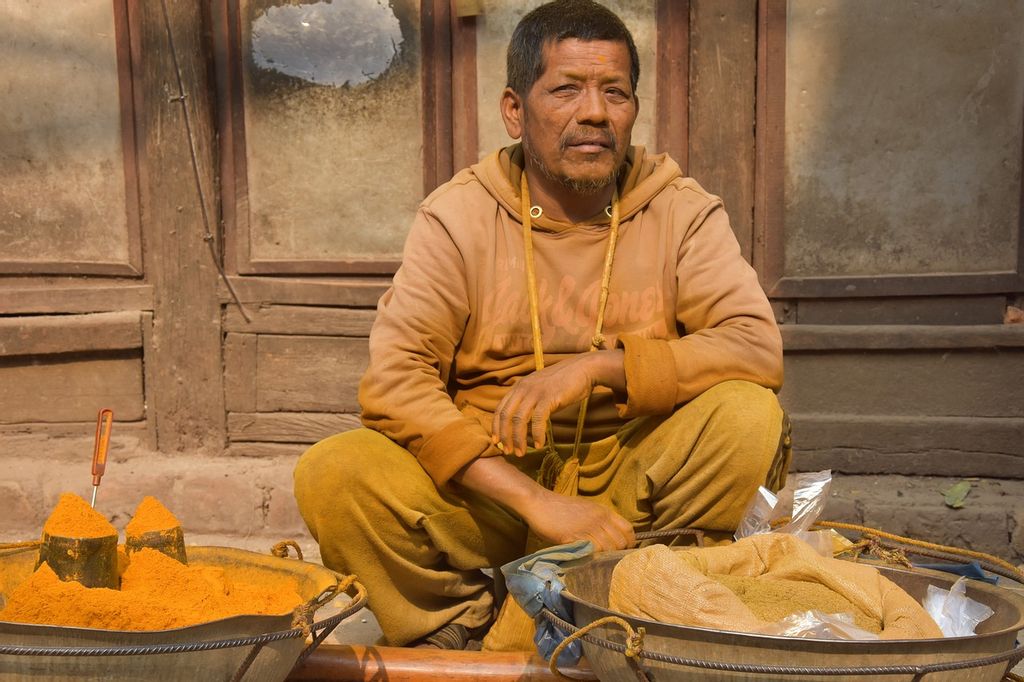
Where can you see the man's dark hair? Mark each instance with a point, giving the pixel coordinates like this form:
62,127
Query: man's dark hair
556,21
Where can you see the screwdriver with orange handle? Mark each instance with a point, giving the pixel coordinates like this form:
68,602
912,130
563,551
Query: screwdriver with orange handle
104,420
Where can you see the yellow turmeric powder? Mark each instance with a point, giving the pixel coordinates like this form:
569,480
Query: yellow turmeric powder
74,518
157,593
150,516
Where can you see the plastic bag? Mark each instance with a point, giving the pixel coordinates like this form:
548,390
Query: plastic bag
803,499
535,583
817,625
956,614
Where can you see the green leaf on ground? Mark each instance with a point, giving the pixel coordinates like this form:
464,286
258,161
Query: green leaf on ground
956,493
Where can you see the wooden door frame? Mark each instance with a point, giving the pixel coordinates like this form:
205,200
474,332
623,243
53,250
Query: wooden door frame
126,32
445,83
769,216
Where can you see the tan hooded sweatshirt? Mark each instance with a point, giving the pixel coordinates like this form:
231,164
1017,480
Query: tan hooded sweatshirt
453,333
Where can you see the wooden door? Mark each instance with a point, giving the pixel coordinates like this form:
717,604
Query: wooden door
888,230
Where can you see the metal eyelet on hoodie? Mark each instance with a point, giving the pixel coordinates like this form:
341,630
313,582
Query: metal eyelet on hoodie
536,212
608,210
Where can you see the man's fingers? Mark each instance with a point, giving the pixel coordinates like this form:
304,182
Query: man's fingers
527,406
606,539
618,532
627,538
518,415
627,532
519,424
502,426
539,427
496,420
531,418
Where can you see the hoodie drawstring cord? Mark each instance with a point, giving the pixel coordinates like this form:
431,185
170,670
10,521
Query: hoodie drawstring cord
552,465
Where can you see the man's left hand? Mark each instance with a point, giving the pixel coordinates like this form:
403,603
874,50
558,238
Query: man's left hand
528,405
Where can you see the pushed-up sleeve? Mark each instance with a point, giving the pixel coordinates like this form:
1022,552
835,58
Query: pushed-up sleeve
727,327
420,321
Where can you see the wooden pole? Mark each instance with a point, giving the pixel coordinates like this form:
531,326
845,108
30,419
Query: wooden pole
395,664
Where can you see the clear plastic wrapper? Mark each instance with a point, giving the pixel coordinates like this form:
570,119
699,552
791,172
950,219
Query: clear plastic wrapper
802,500
757,518
817,625
956,614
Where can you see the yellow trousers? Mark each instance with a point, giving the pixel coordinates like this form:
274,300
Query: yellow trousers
420,550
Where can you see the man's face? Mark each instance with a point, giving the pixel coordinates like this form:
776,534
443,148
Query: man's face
576,120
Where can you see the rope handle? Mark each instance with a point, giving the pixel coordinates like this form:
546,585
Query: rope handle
343,584
302,616
280,550
326,626
1016,573
634,643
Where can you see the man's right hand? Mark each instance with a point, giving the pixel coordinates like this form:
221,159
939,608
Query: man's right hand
554,518
560,519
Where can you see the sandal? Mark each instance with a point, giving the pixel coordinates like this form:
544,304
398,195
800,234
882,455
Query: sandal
452,637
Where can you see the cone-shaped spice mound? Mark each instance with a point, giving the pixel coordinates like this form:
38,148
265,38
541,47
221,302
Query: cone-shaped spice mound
150,516
74,518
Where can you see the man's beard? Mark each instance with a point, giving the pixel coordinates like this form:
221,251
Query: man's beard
582,186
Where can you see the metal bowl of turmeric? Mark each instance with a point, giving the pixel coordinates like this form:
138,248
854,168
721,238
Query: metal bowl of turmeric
677,652
226,614
247,646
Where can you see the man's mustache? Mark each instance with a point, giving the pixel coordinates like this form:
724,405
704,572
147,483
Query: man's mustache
605,138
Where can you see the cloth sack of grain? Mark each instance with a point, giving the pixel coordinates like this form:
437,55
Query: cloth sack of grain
758,581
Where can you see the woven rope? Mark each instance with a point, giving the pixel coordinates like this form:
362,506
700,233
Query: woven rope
634,642
866,531
280,550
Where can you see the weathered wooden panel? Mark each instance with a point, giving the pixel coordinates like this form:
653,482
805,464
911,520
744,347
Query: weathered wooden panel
83,430
350,292
933,446
301,320
959,310
309,373
436,80
288,427
149,375
465,138
71,388
903,146
799,337
63,200
672,79
276,451
723,51
240,372
494,29
186,397
69,333
974,383
67,297
323,83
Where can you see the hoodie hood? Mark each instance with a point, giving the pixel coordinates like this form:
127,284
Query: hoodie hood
642,177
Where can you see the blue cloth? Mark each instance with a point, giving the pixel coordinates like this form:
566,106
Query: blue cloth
535,581
972,570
